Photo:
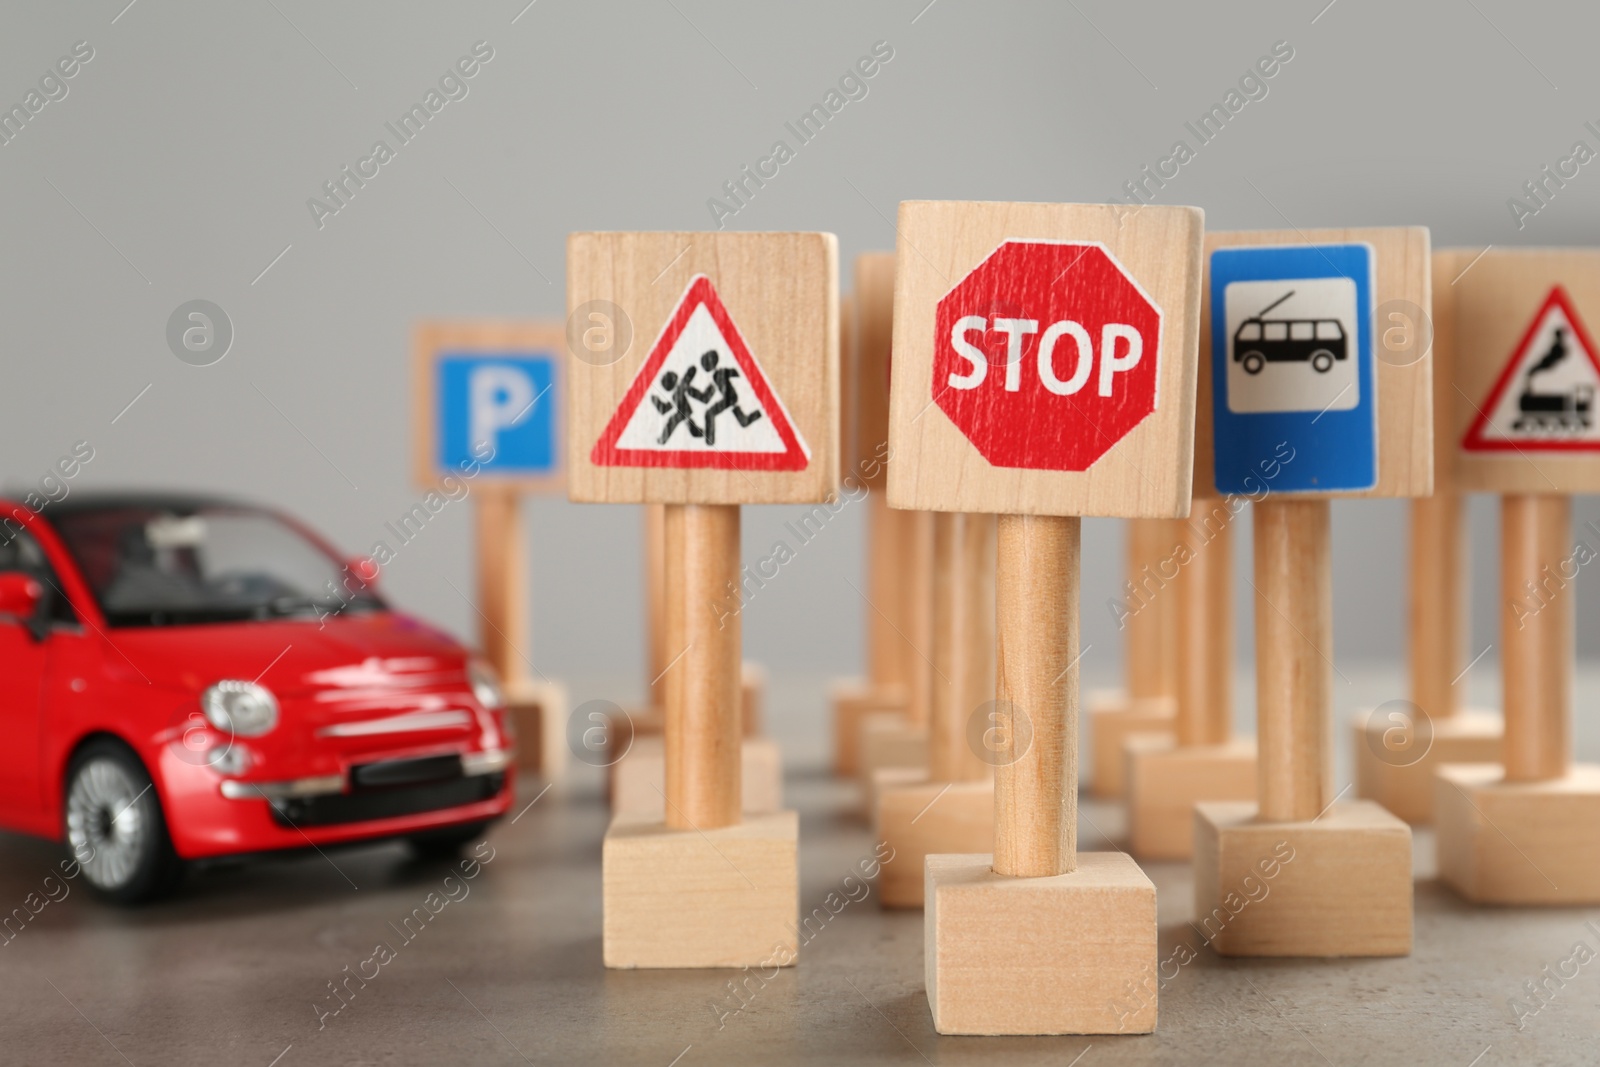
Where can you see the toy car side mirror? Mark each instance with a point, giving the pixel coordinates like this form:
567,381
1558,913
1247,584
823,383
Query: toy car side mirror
20,596
364,569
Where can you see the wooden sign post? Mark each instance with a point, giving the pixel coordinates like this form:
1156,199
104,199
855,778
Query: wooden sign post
865,387
1399,745
735,401
881,731
894,744
1305,407
1528,371
1044,369
636,775
487,407
949,807
1201,759
1147,702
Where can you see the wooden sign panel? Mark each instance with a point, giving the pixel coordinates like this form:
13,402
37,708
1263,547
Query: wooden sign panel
487,403
1448,263
1044,358
1528,371
716,376
874,330
1317,354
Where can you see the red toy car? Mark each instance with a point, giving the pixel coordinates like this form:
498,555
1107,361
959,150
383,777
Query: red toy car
189,677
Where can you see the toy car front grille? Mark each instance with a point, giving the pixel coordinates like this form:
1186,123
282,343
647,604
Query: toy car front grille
363,805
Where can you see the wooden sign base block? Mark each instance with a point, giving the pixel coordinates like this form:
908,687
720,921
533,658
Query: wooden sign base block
1337,885
1407,789
1113,718
1165,782
922,818
539,711
853,701
889,742
646,720
1039,955
723,897
1505,842
638,781
886,779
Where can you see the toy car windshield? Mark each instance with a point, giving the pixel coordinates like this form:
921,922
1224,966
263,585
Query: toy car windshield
156,565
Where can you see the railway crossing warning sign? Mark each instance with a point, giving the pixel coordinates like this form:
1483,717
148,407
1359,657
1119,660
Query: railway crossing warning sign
700,399
1544,398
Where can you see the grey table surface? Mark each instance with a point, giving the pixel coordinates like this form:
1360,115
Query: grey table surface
236,968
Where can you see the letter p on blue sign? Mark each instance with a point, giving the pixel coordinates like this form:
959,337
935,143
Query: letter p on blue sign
488,403
497,410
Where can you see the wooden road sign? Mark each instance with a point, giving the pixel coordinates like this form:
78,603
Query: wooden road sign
1198,759
1149,626
720,295
487,401
864,374
1044,369
1526,378
1399,745
1310,400
947,805
882,730
726,393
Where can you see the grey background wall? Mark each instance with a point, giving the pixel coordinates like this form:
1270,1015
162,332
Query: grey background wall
180,160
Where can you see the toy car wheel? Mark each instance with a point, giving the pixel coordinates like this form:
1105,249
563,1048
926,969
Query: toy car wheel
1253,362
115,826
447,843
1322,361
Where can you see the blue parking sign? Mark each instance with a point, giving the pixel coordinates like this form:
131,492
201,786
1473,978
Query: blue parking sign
502,404
1292,363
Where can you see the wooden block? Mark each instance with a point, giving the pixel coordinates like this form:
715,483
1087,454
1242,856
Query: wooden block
638,780
852,702
1402,781
1501,308
919,819
752,697
528,354
1401,279
721,897
1112,720
1039,955
1505,842
1165,782
539,709
887,740
668,285
936,466
1338,885
887,778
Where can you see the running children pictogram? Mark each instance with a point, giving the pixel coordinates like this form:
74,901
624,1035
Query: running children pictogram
701,400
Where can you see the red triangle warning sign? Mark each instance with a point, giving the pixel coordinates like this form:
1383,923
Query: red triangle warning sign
1544,399
701,400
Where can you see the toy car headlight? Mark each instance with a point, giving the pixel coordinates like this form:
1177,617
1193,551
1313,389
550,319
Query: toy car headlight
485,685
242,708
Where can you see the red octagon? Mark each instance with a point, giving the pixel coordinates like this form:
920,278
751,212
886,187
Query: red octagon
1045,355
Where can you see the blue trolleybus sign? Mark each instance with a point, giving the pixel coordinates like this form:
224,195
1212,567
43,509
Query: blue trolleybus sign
1292,362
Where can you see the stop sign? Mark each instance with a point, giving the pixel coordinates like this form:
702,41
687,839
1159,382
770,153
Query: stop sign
1045,355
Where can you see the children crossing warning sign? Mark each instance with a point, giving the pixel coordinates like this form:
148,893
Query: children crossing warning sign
1544,398
701,400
